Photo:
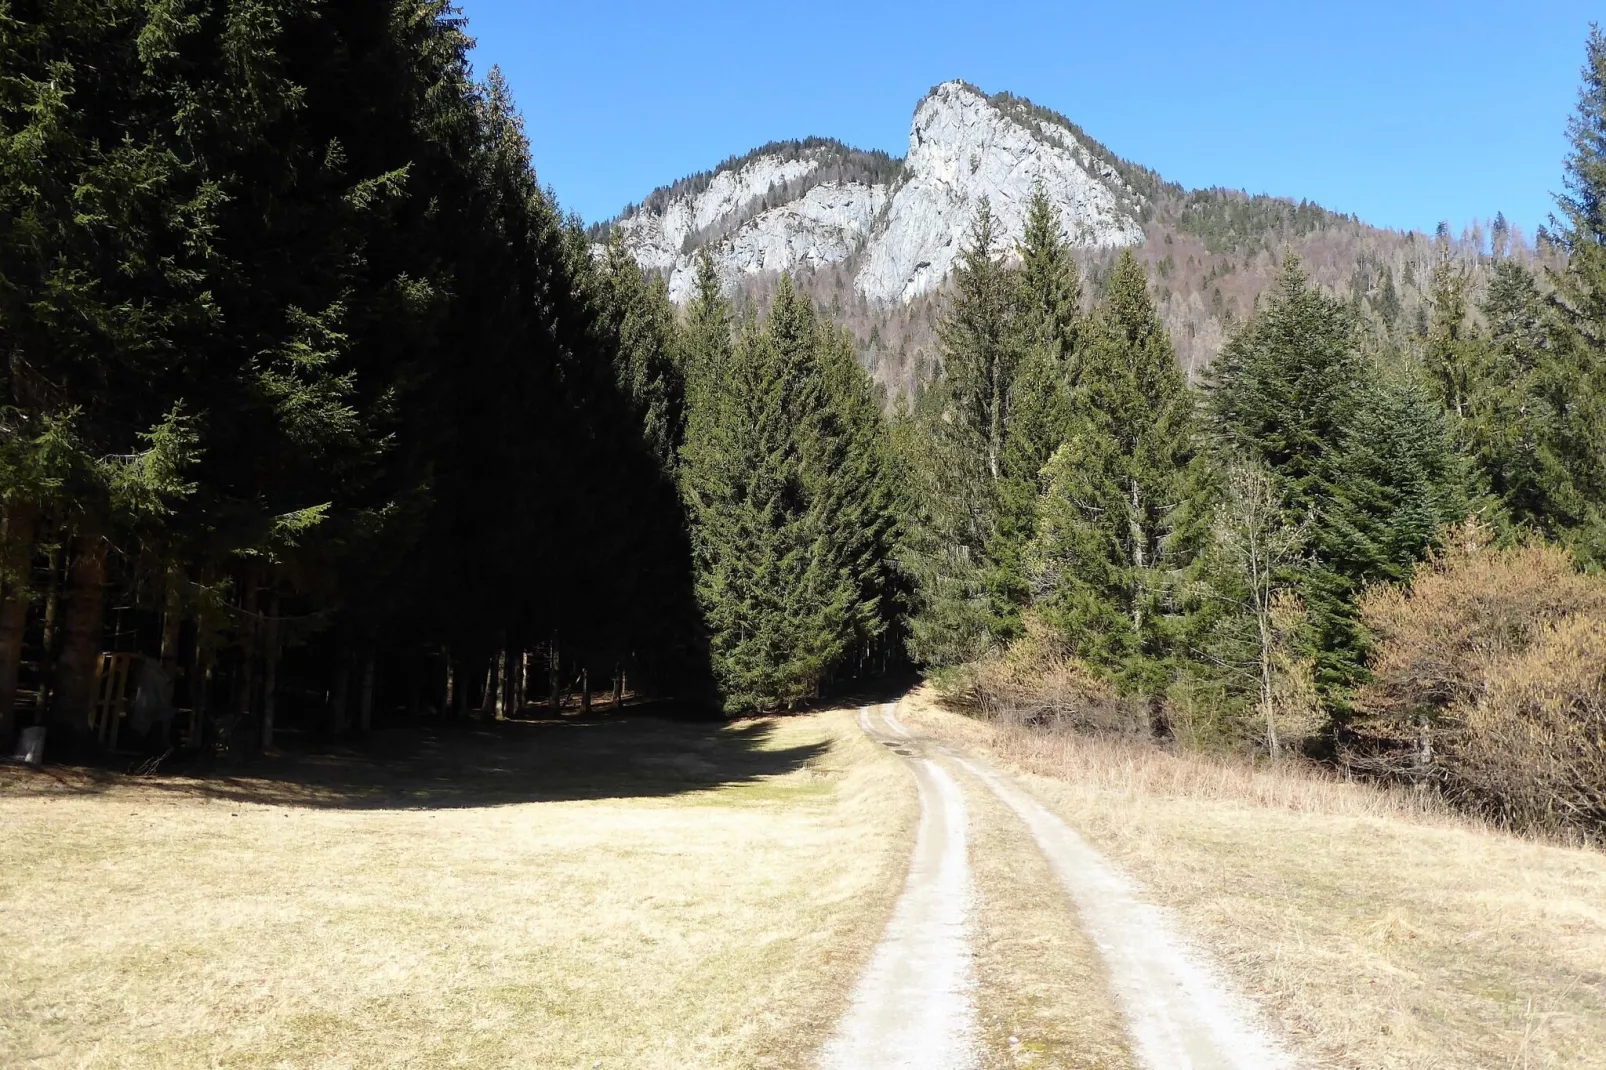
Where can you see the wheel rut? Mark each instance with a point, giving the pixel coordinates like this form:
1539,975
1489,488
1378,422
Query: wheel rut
915,1004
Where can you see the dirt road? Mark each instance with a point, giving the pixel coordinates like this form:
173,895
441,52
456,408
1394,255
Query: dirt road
915,1005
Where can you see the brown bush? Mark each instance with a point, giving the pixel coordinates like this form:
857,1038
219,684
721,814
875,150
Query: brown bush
1470,608
1037,681
1533,750
1490,681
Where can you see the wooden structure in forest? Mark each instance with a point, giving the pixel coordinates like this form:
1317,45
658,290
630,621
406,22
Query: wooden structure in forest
113,694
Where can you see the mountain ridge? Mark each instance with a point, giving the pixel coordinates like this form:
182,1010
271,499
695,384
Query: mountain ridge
873,237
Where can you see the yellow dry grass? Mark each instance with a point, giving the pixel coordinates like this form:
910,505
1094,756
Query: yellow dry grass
1381,931
633,894
1043,995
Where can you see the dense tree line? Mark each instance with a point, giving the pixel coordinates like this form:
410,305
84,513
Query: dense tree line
314,401
1208,548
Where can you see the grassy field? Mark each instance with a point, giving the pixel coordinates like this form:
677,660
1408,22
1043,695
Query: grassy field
629,893
1381,932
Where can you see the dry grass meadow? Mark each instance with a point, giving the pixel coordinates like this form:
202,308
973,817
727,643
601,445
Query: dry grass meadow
628,893
1381,931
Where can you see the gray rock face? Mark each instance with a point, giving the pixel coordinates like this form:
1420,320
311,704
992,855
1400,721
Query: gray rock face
963,149
902,238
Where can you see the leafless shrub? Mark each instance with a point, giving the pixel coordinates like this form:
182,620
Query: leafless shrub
1533,750
1490,682
1037,682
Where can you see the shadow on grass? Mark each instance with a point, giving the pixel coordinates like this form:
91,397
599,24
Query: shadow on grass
473,765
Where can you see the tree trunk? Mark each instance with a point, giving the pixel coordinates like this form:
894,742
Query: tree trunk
523,698
488,690
16,555
365,706
270,670
1267,705
585,691
245,698
503,675
172,621
619,688
80,649
417,683
449,708
200,683
167,654
47,656
338,720
552,676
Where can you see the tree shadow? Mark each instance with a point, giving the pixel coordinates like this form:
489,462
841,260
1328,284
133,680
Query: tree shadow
490,764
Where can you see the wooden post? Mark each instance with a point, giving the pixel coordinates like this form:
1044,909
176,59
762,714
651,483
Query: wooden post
16,555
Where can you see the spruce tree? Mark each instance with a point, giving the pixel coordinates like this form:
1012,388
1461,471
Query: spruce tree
1454,348
1048,319
1366,463
788,501
958,463
1572,382
642,323
1125,505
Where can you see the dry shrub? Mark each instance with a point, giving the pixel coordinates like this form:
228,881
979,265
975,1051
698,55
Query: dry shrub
1470,608
1484,683
1037,681
1533,751
1140,768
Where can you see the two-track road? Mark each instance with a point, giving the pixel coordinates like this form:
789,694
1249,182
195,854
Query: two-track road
915,1004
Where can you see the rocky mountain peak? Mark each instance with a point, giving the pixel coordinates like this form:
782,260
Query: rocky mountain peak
897,226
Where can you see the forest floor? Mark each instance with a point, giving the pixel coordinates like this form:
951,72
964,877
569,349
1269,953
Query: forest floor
618,893
1373,930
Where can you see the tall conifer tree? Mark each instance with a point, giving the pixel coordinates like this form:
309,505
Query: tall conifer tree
1573,381
1049,300
1125,504
966,415
1366,463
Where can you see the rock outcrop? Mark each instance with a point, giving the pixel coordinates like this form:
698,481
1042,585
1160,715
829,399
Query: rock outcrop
773,212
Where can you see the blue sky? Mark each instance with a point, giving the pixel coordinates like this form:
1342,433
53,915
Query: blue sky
1404,113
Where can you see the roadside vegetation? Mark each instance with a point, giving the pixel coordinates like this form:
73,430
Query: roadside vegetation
1384,562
